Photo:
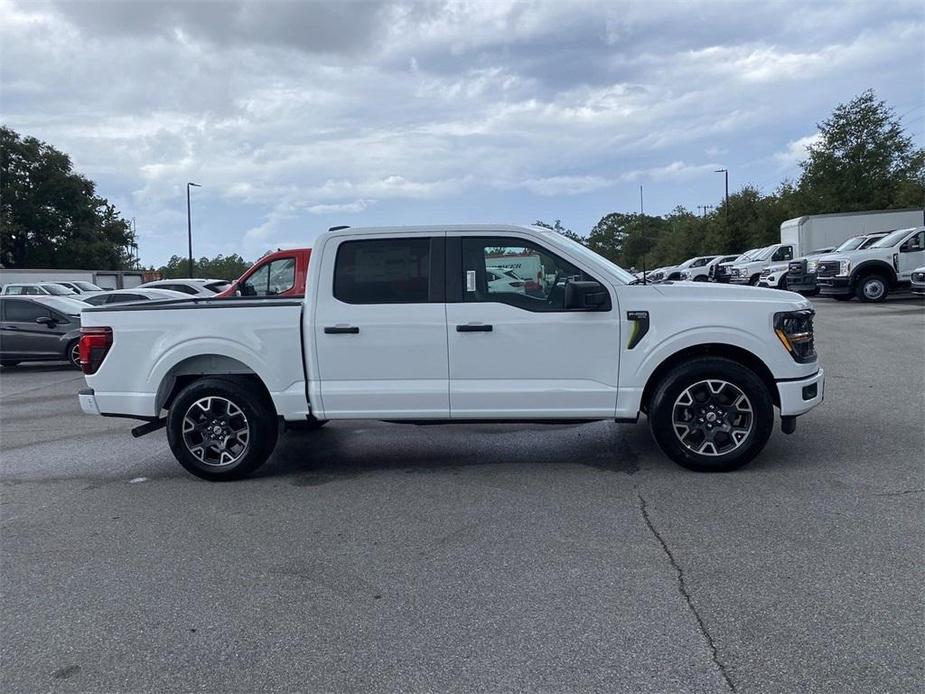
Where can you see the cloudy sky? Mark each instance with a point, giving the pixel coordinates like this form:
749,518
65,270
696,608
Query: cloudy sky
295,116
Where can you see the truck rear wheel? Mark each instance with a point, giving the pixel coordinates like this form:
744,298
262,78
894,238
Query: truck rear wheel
711,414
873,288
222,428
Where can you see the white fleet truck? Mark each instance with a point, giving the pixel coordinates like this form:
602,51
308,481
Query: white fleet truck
808,233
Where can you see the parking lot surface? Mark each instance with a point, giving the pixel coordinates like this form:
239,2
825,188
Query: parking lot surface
377,557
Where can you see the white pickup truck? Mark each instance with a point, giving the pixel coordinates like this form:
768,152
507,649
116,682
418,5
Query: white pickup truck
401,324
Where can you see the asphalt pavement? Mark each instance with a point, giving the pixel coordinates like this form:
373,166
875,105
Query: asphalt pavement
381,557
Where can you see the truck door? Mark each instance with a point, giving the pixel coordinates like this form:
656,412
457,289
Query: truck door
911,256
380,328
517,352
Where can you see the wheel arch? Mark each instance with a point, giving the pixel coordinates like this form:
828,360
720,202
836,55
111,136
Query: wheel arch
193,368
874,267
728,351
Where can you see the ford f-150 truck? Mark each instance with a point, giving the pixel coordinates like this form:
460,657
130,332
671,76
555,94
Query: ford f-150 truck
402,324
873,272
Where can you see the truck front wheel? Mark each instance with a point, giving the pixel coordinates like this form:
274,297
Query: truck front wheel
711,414
222,428
873,288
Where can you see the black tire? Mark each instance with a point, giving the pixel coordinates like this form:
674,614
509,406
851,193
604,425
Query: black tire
72,353
782,284
7,363
689,377
872,288
701,278
251,410
754,280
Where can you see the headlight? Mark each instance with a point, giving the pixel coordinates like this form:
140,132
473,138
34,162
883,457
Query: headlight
844,267
795,331
811,265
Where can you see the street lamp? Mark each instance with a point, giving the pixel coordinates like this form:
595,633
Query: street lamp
726,172
189,227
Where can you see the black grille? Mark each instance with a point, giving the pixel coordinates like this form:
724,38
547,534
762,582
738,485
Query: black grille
795,266
827,268
918,276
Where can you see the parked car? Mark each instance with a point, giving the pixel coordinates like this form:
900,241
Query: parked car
676,273
280,274
38,289
777,275
702,273
80,287
386,333
801,272
748,271
504,281
124,296
39,328
721,271
918,281
872,273
192,287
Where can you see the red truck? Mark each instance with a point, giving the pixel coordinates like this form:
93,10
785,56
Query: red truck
281,273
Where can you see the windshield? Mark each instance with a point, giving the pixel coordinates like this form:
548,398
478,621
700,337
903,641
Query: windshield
87,286
57,290
763,253
67,306
891,239
586,252
850,244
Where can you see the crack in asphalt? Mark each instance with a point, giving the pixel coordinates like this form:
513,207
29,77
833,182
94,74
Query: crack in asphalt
682,589
900,493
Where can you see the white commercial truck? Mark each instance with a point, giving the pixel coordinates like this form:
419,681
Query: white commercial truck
809,233
402,324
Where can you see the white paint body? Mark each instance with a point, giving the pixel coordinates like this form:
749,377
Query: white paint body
409,362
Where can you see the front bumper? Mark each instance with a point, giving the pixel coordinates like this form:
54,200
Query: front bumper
800,396
918,289
829,286
88,401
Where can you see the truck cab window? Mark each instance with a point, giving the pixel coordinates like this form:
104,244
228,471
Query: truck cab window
383,271
515,272
281,277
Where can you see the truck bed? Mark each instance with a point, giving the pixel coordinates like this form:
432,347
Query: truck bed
157,343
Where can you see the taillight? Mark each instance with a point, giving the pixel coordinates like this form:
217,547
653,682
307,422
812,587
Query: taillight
94,345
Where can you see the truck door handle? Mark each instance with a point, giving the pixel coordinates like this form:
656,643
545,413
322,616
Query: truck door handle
341,330
474,328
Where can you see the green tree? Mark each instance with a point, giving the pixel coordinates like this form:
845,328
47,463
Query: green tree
863,160
221,267
51,216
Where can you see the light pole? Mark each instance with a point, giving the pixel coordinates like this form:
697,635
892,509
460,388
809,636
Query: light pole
189,227
726,172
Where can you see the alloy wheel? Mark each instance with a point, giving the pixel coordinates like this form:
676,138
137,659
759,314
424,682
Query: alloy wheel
712,417
215,431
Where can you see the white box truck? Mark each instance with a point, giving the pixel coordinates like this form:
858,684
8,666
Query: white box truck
808,233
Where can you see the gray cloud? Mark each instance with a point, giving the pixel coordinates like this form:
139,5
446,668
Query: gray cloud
292,112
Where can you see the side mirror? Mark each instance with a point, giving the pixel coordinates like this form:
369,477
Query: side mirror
586,295
46,321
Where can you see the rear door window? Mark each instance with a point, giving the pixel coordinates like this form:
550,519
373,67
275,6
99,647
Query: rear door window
383,271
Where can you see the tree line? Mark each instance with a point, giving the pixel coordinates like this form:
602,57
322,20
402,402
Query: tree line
863,159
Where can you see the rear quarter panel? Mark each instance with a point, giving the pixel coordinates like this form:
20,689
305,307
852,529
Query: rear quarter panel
152,343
